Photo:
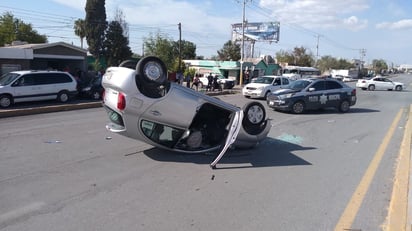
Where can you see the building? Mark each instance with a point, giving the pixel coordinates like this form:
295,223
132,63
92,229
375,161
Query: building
231,69
56,56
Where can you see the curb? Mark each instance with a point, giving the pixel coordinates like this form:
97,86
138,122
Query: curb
48,109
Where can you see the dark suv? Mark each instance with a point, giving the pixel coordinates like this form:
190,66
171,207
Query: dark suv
312,94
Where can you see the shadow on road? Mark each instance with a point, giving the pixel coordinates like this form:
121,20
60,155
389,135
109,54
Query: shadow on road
270,153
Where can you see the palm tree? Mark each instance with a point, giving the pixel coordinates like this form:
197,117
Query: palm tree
80,30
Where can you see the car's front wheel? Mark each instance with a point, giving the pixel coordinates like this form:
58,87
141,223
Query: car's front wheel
254,117
398,88
6,101
298,107
371,87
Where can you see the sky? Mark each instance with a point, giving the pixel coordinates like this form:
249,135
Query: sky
349,29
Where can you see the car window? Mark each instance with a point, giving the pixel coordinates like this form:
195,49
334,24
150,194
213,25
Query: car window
277,82
160,133
8,78
285,81
332,85
319,86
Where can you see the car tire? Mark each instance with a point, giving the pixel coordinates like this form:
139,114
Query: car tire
398,88
344,106
254,117
371,87
6,101
96,95
156,74
266,95
298,107
63,97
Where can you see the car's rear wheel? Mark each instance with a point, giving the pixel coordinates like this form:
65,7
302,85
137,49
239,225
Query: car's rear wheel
398,88
6,101
344,106
63,97
152,69
254,117
371,87
298,107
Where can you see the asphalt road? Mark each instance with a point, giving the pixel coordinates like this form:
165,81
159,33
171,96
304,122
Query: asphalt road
64,171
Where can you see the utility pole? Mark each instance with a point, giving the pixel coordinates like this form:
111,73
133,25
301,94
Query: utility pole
243,44
180,47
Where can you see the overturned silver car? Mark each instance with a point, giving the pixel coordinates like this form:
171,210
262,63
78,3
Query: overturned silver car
143,104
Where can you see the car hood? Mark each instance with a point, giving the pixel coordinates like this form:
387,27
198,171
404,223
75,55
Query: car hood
285,91
256,85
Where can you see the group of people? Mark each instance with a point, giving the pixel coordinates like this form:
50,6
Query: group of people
212,84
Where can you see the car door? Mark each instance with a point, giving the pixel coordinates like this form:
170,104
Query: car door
316,95
334,93
380,84
285,82
25,89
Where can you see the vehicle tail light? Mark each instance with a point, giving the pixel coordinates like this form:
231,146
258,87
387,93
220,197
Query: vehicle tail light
354,92
121,101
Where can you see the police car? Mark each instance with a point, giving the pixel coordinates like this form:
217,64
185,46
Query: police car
312,94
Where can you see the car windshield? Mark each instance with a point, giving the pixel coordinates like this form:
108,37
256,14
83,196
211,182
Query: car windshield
264,79
299,84
8,78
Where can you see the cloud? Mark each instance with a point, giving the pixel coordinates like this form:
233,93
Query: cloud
354,24
399,25
318,13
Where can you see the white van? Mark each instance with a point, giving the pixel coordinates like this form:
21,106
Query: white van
25,86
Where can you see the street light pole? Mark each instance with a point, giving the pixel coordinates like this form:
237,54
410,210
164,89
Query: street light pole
243,45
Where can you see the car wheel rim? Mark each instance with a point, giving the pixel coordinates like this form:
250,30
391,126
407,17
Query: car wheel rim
5,102
64,98
298,107
153,70
345,106
255,114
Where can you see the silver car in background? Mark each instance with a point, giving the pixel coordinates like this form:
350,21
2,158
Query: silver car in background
143,104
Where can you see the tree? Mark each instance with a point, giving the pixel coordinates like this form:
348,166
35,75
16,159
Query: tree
12,29
188,49
328,62
80,30
230,51
96,25
379,65
161,47
299,57
116,45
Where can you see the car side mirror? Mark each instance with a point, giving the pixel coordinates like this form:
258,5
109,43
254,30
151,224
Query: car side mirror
311,89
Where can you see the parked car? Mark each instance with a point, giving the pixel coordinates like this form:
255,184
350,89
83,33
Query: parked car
142,104
225,83
312,94
93,89
261,86
379,83
25,86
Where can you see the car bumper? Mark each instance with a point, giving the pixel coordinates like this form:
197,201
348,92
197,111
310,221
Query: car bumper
252,94
282,105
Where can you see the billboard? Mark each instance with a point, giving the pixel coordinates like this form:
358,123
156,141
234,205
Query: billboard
257,31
